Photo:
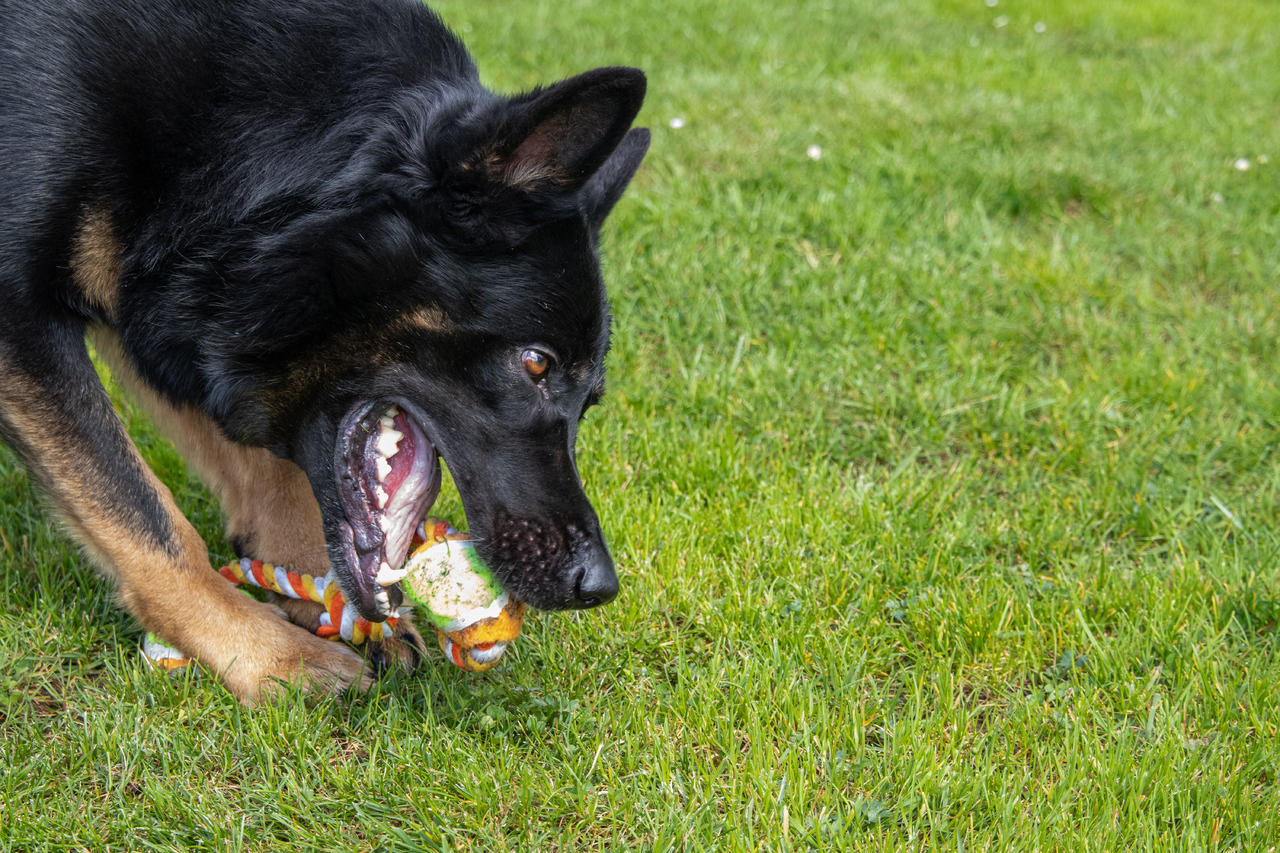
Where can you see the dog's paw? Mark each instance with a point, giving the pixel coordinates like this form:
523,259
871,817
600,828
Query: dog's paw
287,657
321,667
403,650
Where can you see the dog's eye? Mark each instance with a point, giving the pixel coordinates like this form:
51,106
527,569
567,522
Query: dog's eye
535,363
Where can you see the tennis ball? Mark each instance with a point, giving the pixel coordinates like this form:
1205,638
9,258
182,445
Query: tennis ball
473,617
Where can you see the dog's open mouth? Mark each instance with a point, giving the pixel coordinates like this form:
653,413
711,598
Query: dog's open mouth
388,477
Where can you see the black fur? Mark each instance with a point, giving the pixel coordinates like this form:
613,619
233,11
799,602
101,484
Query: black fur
285,180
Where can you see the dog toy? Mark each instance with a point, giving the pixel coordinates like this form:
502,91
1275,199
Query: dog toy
472,617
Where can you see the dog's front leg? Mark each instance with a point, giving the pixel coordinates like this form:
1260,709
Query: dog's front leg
271,512
56,414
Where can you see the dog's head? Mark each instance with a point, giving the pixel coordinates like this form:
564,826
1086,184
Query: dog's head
454,308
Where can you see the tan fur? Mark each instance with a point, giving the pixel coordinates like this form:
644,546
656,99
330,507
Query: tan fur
267,500
422,319
173,591
95,262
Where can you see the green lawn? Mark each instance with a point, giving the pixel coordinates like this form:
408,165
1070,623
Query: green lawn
941,471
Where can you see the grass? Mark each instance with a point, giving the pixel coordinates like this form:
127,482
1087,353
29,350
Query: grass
941,471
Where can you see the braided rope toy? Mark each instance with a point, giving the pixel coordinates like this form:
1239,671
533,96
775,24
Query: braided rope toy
473,618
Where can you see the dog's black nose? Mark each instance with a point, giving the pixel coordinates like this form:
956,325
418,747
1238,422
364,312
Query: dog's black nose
597,584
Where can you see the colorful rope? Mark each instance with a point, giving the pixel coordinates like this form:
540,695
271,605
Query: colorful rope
339,620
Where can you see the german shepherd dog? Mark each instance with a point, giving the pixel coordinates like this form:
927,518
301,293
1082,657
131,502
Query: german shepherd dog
323,257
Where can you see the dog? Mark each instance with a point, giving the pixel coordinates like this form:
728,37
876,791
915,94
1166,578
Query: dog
323,257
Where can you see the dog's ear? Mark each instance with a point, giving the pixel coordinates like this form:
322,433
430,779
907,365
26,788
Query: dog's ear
605,187
559,137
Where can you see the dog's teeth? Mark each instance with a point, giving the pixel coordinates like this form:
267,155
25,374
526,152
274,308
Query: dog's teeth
383,466
387,421
392,412
383,601
387,575
389,442
381,496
